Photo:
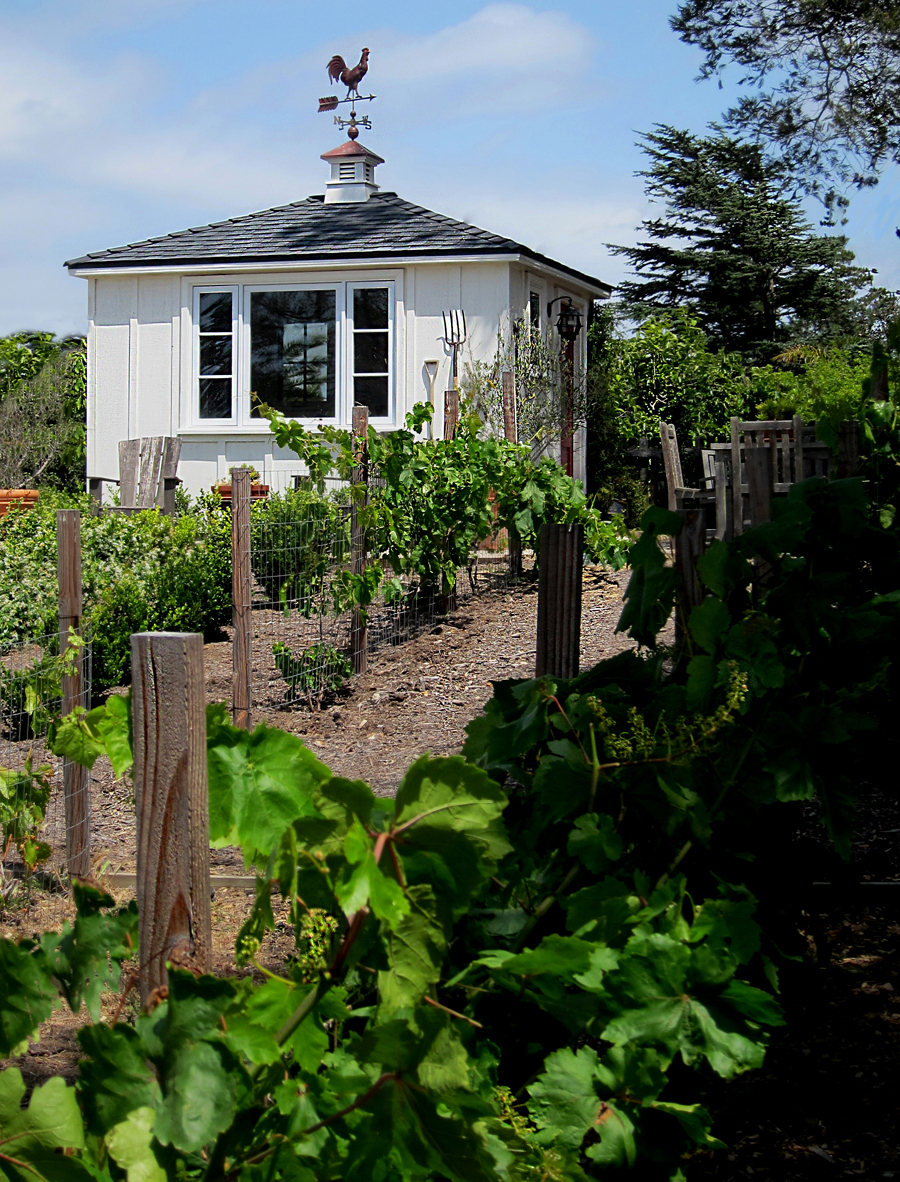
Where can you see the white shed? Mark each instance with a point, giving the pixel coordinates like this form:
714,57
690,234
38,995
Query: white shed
314,306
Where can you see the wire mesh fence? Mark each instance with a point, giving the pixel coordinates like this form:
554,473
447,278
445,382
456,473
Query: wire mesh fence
304,636
40,824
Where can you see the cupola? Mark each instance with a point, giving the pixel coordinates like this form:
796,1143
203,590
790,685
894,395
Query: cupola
352,173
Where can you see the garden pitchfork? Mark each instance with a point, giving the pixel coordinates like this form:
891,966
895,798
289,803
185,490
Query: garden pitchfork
454,337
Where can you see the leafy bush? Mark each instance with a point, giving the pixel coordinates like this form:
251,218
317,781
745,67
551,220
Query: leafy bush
140,572
298,538
319,668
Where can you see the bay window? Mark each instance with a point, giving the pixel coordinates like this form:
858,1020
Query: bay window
311,351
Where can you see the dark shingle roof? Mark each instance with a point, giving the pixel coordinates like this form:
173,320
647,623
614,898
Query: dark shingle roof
385,226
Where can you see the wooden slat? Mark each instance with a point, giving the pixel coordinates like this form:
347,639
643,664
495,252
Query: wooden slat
758,462
242,593
689,546
168,475
151,463
129,457
171,804
76,779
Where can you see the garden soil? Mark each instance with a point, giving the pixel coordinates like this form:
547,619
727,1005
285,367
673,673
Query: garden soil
825,1105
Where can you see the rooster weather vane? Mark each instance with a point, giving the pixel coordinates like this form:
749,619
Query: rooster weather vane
339,71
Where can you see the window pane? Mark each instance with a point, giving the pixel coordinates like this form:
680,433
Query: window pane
534,309
370,307
370,352
215,311
215,398
292,351
215,355
373,393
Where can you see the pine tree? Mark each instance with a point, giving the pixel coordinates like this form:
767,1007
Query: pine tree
736,249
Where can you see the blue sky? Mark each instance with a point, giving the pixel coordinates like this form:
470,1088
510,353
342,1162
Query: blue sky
124,119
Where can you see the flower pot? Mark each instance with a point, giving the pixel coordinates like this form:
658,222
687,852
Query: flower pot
258,492
22,498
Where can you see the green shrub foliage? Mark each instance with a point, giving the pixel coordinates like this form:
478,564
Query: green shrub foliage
141,572
514,969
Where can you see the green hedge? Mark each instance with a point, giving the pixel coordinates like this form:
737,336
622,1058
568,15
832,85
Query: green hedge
141,572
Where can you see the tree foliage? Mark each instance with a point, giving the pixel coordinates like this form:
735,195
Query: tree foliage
826,81
735,249
43,404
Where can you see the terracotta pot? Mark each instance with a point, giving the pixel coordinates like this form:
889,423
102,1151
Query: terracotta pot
258,492
22,498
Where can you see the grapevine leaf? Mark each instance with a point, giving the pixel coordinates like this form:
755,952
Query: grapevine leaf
753,1003
199,1099
595,841
367,885
28,994
708,623
86,958
130,1143
562,956
30,1137
452,811
259,784
415,951
446,1065
116,1077
617,1145
695,1121
564,1101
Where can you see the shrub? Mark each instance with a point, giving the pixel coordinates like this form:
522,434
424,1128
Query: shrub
140,572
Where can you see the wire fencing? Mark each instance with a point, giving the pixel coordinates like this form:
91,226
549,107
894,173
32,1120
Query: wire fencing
42,825
305,636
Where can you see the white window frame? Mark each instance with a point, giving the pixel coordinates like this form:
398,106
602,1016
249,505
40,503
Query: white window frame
389,419
241,425
338,287
215,289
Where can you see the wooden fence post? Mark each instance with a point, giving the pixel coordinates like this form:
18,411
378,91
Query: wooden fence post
76,779
848,448
359,632
171,803
758,462
559,601
511,433
689,546
242,594
451,413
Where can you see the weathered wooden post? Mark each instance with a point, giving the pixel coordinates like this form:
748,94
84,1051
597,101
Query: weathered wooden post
241,592
689,546
451,413
359,632
509,405
511,432
758,463
559,601
171,803
848,447
76,779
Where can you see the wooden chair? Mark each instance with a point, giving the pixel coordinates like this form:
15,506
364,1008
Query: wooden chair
147,476
755,479
678,493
